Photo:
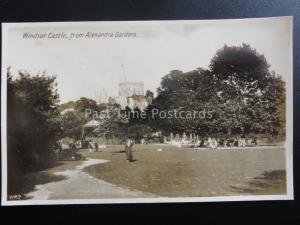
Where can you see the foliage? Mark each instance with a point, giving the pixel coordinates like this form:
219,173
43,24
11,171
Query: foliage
84,104
139,131
149,96
114,125
72,124
73,121
248,91
33,123
238,88
182,92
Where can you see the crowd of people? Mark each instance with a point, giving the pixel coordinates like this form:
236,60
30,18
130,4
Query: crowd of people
214,143
208,142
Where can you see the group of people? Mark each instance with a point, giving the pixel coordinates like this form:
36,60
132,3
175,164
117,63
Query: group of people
213,143
82,144
94,146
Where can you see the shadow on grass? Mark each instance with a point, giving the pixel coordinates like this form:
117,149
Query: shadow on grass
28,182
270,182
133,160
121,151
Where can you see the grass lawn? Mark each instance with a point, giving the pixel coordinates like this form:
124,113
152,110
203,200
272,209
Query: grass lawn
188,172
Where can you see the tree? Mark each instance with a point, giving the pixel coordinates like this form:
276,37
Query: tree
72,123
139,131
248,92
240,65
240,90
114,125
182,92
84,104
33,125
134,116
149,96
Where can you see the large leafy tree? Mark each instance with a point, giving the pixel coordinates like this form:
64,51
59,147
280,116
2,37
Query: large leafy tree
84,104
139,131
84,109
114,124
72,123
250,96
239,88
182,92
33,124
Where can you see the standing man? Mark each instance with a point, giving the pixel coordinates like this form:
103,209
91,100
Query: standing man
96,146
128,149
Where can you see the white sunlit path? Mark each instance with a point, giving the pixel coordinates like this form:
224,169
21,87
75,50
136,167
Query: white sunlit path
80,185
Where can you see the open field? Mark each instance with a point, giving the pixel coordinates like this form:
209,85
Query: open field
188,172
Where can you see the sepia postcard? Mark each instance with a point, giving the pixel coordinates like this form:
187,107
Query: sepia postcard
147,111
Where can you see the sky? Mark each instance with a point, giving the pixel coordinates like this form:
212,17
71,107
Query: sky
86,65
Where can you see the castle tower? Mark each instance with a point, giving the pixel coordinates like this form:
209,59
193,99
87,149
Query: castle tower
127,89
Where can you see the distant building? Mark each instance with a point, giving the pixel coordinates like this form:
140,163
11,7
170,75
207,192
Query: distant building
127,89
137,101
131,94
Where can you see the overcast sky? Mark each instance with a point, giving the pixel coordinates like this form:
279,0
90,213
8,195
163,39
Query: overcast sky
84,66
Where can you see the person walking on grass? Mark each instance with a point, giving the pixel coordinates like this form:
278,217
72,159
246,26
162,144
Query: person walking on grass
128,149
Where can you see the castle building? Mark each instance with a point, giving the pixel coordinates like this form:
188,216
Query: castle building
128,89
131,94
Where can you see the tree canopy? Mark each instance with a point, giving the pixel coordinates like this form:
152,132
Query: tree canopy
33,123
86,103
239,88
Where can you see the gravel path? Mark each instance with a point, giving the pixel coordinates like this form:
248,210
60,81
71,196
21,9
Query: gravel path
80,185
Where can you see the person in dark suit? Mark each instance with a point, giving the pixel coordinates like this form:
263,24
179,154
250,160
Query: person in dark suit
128,149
